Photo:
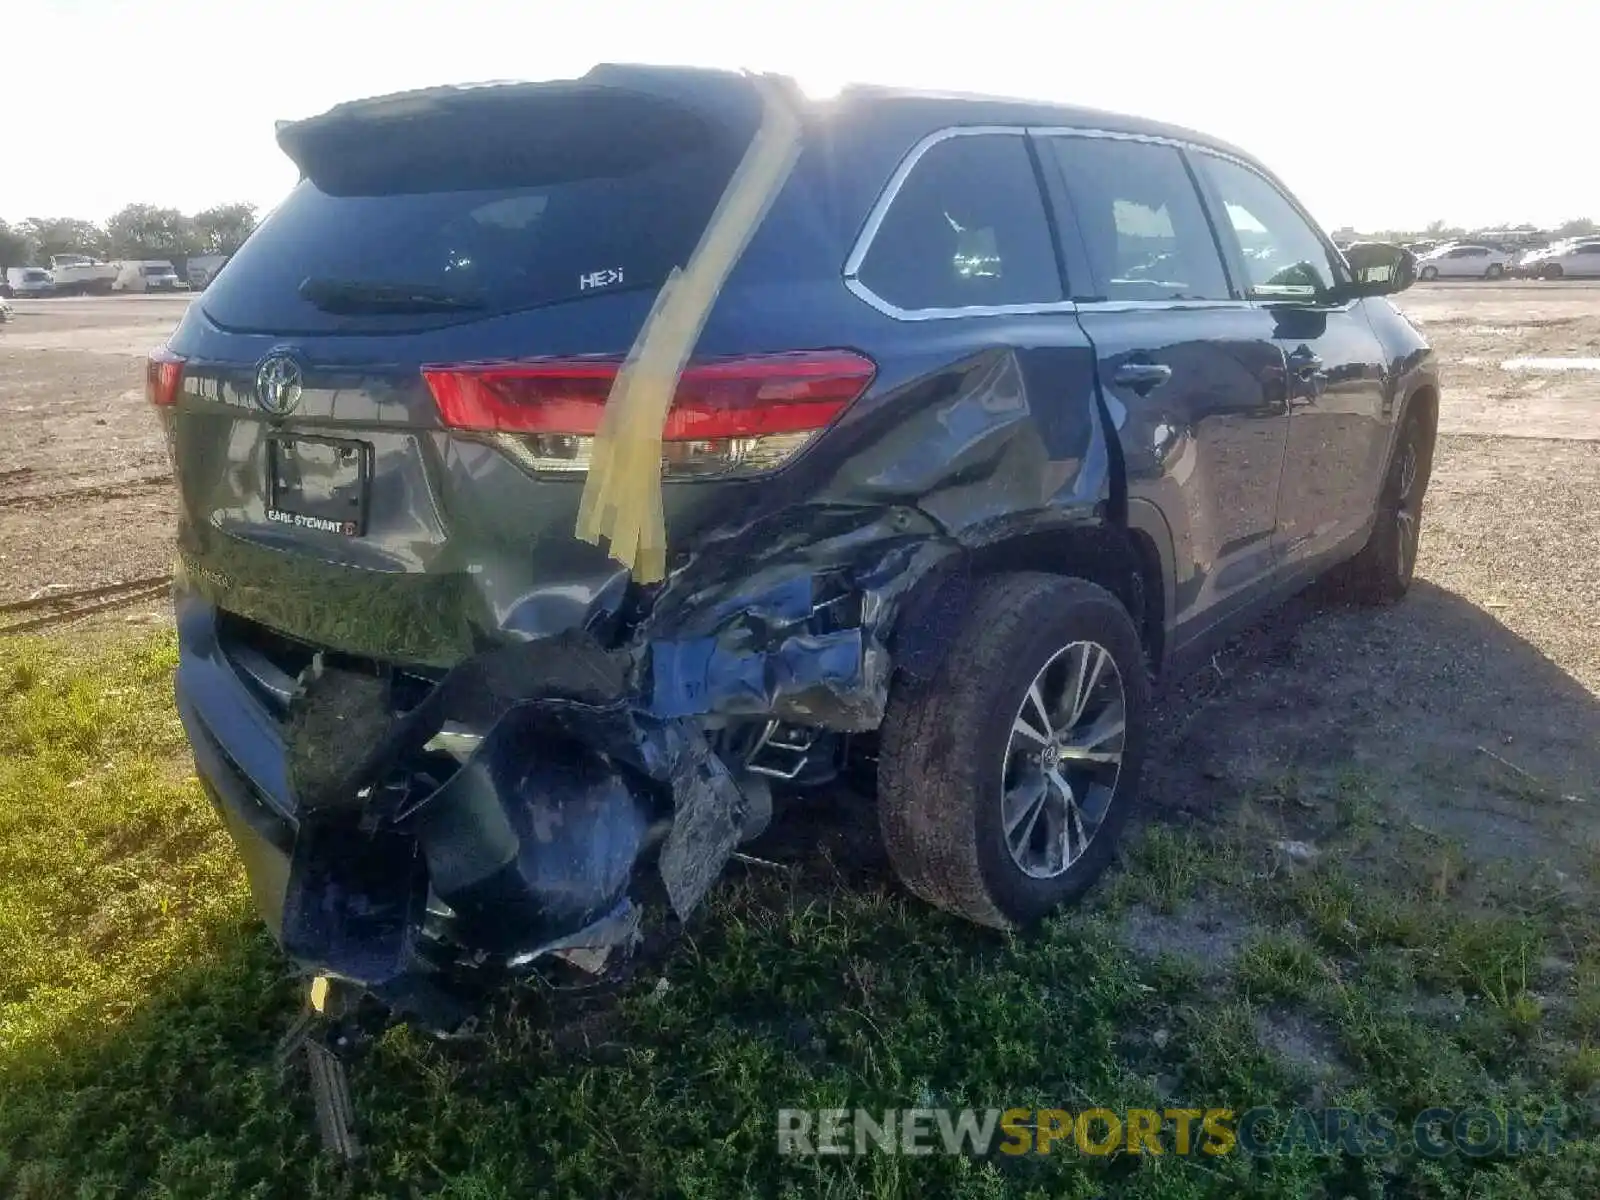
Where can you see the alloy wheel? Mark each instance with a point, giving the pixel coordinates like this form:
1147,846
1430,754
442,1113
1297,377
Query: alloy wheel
1063,759
1408,510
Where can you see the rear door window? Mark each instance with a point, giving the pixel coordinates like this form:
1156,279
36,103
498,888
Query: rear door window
494,208
1142,222
966,229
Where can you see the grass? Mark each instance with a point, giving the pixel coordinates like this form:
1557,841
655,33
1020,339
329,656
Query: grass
140,1004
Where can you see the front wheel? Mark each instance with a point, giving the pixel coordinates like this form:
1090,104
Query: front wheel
1494,272
1381,573
1428,274
1552,271
1004,780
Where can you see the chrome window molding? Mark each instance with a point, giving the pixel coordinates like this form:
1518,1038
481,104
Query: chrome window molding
891,190
880,209
1093,306
946,314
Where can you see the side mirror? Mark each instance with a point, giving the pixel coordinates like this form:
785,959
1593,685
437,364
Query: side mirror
1379,269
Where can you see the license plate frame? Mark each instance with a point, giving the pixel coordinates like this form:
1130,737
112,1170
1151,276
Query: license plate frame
339,471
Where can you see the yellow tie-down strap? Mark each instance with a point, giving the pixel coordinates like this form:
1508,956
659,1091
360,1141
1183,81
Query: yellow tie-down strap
622,495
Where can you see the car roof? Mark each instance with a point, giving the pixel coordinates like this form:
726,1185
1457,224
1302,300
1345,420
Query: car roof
913,112
965,108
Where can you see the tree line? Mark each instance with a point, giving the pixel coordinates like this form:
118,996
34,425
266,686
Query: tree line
138,231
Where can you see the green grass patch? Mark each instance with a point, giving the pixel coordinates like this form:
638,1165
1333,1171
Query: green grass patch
1280,966
140,1004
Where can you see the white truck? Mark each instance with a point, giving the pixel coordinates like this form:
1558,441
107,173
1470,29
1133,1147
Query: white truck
148,275
80,275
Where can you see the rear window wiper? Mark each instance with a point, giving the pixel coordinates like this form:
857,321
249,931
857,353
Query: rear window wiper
362,296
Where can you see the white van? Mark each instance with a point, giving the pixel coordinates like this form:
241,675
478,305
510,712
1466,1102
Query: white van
29,281
151,275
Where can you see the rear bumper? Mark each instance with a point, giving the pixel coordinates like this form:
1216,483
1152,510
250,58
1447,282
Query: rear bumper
437,870
239,757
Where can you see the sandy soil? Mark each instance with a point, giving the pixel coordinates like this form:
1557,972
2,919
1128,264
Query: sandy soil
85,488
1477,327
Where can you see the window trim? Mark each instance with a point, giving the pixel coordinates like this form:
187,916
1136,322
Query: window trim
880,210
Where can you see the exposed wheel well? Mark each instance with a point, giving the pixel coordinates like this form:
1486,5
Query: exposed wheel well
1123,561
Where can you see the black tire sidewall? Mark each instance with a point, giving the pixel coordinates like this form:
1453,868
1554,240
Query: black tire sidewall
1019,896
1381,562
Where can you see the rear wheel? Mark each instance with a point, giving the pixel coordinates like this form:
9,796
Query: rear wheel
1428,273
1382,572
1004,780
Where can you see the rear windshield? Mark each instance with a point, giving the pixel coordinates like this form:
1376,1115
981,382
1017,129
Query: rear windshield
506,209
35,276
157,270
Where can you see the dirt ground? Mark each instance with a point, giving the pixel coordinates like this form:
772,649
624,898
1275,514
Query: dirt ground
85,489
1499,647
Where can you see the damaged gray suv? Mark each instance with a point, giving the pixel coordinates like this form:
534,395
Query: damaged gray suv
1001,413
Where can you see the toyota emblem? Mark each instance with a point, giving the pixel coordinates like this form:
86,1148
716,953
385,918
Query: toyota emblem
279,382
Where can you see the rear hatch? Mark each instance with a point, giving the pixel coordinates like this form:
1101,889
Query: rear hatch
348,476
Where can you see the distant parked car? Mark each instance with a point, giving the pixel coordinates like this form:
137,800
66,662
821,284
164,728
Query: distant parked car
1578,257
29,281
1463,262
149,276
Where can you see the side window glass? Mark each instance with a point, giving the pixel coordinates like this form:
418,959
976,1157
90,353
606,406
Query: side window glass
1283,255
1141,219
966,229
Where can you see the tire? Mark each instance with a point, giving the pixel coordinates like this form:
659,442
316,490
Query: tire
1381,573
1428,274
1494,272
1551,271
949,746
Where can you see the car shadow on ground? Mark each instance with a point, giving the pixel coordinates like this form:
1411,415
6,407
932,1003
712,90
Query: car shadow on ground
1434,706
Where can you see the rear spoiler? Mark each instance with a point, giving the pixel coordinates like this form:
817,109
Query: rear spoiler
337,148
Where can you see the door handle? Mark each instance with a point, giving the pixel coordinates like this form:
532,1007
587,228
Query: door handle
1142,377
1305,363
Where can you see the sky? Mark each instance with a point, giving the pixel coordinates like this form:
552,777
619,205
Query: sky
1377,113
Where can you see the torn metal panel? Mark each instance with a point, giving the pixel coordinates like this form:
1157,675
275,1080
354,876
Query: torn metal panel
531,845
706,823
355,899
533,838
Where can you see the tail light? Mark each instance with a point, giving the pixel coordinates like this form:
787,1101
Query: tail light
728,416
163,377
